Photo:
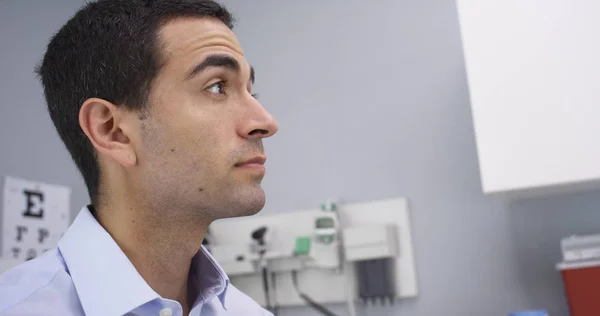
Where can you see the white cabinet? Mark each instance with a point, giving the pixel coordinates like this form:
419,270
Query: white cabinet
533,69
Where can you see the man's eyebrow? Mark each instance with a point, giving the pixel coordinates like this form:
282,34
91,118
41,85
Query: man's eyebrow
252,74
215,61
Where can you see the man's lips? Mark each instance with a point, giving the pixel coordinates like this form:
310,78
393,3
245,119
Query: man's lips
256,162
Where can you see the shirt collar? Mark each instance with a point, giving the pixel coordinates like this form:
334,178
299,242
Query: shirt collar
106,281
210,277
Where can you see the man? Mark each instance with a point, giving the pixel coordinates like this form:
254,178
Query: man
153,101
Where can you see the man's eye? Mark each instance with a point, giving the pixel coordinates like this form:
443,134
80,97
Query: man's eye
216,88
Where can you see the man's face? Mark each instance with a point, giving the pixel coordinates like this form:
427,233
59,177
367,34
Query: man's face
201,142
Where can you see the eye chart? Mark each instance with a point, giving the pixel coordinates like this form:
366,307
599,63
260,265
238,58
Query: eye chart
34,217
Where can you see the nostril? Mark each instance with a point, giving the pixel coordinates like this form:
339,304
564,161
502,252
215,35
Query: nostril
259,132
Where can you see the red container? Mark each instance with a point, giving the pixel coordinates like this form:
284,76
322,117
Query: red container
582,286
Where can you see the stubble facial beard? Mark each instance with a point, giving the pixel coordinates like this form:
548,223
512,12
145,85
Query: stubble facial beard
224,198
240,199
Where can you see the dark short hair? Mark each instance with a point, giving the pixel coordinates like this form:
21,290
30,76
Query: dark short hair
108,50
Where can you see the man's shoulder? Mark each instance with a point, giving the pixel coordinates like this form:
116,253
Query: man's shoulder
36,285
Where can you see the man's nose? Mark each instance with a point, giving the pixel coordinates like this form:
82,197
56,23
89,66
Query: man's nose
259,123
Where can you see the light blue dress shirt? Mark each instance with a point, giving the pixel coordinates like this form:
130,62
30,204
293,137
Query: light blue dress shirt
88,274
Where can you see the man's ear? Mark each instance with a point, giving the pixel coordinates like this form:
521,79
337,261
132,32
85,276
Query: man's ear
103,124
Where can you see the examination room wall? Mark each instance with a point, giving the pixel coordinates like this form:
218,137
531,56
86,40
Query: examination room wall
372,101
29,146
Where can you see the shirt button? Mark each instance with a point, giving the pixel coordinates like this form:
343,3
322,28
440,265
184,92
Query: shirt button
166,312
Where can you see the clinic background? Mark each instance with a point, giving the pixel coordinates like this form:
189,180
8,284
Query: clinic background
372,101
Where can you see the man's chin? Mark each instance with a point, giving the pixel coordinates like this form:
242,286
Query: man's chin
246,204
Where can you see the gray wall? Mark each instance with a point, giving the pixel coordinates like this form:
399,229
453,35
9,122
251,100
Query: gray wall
372,101
29,146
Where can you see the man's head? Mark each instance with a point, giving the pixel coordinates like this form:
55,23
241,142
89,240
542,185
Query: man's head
153,99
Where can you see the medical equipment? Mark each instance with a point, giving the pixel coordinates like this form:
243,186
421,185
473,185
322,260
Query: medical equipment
326,272
260,246
580,247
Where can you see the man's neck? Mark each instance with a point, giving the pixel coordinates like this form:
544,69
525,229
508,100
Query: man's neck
161,249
